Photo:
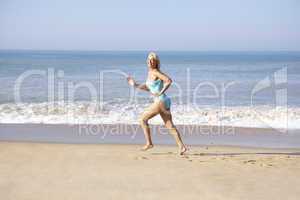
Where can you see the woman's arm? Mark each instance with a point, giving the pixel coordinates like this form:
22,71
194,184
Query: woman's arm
142,87
167,81
132,82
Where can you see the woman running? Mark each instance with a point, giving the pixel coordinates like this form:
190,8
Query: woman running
157,83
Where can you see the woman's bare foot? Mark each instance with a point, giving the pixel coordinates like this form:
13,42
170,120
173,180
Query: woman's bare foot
182,150
146,147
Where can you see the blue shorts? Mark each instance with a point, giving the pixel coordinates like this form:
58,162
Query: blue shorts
166,100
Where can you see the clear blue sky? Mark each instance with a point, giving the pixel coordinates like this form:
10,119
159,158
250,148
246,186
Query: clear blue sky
153,24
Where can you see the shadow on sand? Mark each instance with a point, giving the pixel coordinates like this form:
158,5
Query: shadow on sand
234,154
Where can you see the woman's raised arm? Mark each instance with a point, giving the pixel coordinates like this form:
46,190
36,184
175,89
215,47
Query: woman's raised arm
132,82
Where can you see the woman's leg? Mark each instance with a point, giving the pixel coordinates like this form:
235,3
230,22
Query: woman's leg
167,118
150,112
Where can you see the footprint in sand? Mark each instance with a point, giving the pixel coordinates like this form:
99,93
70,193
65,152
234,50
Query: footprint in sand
266,165
141,158
250,161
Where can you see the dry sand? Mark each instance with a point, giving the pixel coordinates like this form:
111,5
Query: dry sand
39,171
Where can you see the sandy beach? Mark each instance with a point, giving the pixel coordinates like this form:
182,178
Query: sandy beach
86,85
92,171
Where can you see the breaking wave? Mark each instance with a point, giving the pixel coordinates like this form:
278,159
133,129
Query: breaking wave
119,112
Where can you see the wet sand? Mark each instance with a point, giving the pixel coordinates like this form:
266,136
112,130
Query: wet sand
100,171
133,134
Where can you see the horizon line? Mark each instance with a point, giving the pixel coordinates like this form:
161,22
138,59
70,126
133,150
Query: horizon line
145,50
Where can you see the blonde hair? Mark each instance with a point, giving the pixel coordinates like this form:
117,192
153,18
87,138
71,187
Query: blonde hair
154,56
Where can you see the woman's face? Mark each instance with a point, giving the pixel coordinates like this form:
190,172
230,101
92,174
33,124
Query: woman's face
152,63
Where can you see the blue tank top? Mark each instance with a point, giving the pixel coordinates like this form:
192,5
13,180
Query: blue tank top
155,86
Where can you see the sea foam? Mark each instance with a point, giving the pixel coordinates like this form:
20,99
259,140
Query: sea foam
118,112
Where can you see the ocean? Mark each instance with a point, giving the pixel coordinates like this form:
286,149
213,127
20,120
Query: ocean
52,95
247,89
